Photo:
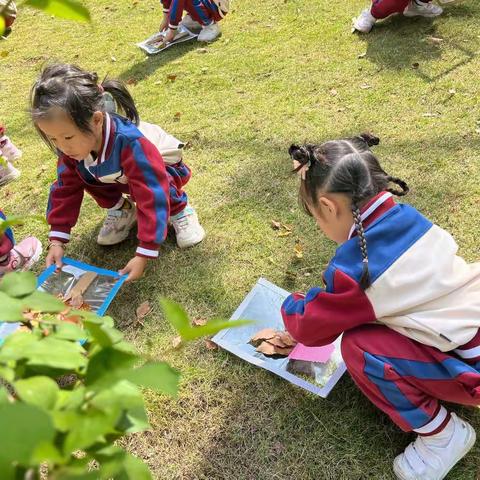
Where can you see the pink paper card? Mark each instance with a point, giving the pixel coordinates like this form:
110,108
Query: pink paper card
312,354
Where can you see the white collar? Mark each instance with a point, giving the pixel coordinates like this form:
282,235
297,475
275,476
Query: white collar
379,201
106,140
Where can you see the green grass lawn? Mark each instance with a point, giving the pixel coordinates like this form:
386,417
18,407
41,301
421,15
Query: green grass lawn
266,83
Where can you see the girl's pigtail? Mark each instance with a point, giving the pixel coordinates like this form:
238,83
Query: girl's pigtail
365,281
302,154
122,98
403,185
369,139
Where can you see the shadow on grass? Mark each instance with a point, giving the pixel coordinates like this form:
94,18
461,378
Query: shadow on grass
141,71
399,42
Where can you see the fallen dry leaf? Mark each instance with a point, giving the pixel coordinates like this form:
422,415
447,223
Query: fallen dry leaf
266,348
333,92
4,53
172,77
202,50
415,65
285,233
362,55
298,250
177,116
264,334
131,81
365,86
276,225
143,310
77,301
210,345
435,40
199,322
176,342
287,339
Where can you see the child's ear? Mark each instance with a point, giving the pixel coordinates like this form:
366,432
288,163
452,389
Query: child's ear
328,206
98,119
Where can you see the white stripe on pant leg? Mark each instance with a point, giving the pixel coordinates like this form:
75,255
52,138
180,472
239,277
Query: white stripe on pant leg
434,423
469,353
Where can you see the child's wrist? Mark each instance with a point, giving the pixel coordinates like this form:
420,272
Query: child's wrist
56,244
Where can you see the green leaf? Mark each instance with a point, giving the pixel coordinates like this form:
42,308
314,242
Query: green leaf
87,429
158,376
11,309
43,302
178,318
11,221
39,391
124,396
23,427
68,9
68,331
46,452
16,345
105,366
135,469
18,284
7,374
103,334
4,396
55,353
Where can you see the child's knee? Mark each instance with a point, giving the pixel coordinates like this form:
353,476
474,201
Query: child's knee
355,342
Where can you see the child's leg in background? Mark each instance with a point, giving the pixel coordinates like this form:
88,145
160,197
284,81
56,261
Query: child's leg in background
384,8
406,379
121,214
202,12
178,174
183,217
18,257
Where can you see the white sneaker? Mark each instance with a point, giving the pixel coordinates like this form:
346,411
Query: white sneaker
8,173
209,33
117,225
421,9
365,22
188,230
190,24
8,150
423,459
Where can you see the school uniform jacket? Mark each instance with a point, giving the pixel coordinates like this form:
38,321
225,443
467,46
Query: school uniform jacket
132,162
420,286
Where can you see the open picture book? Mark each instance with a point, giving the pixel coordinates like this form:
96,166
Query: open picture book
156,44
316,369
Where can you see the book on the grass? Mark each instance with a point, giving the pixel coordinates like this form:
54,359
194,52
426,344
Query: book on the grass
316,369
98,296
156,44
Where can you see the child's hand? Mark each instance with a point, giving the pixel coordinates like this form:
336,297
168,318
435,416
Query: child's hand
134,268
55,255
170,35
164,24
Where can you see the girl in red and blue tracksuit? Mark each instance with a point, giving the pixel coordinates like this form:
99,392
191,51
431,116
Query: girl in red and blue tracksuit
108,156
407,305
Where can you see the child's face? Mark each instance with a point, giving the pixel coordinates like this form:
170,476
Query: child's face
69,139
333,215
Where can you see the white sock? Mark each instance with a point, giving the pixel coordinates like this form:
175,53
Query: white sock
441,439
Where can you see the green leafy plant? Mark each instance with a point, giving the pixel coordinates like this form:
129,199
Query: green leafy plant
71,386
68,9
